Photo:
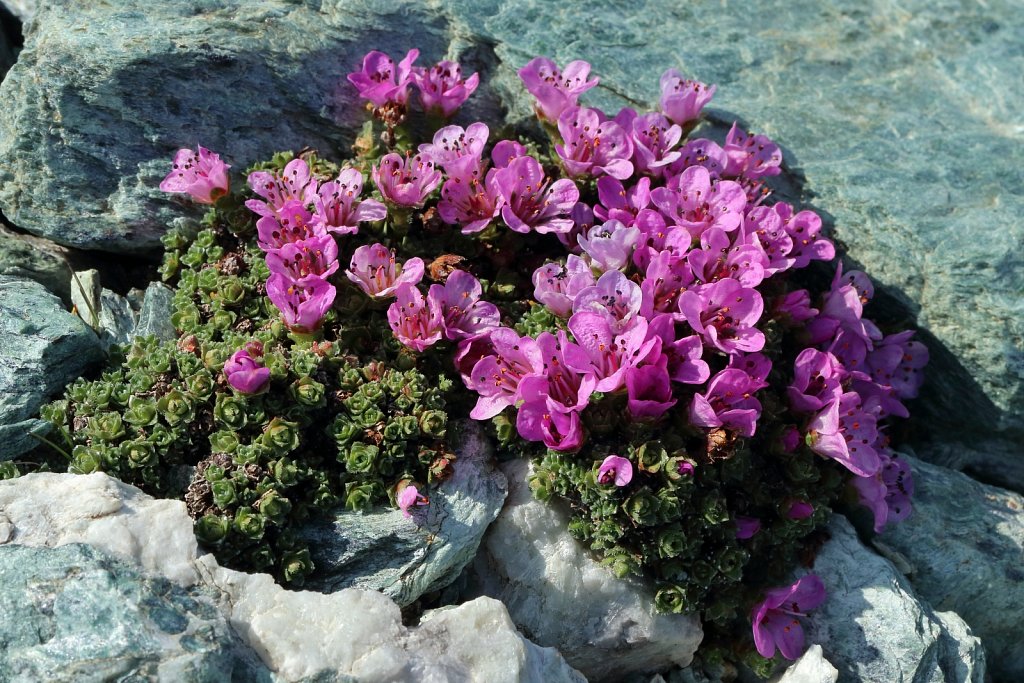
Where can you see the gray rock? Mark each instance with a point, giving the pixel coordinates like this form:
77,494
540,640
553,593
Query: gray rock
346,636
405,558
155,314
42,348
560,597
812,667
22,9
36,259
75,614
117,319
873,627
107,312
965,544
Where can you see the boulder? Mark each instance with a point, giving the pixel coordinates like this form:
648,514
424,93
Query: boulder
965,548
873,627
404,558
37,259
284,635
42,348
559,596
812,667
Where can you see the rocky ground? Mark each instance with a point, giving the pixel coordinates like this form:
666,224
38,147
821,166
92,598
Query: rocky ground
901,124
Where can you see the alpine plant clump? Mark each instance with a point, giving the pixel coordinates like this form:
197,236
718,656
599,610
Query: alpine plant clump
622,301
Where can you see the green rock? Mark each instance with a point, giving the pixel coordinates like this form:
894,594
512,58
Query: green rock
36,259
384,551
72,613
42,348
155,313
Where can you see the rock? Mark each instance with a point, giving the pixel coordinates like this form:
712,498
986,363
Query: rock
22,9
873,627
75,614
812,667
560,597
37,259
117,319
965,543
42,348
384,551
155,314
107,312
86,289
296,635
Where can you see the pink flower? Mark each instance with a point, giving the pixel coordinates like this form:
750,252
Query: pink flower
556,285
293,223
459,152
558,430
728,402
532,201
442,88
649,391
376,272
406,181
294,183
245,373
592,146
338,207
555,90
409,497
610,245
725,314
654,138
682,100
751,156
416,320
774,619
799,509
469,203
686,468
303,304
694,202
615,469
497,375
380,81
605,353
464,314
311,256
201,175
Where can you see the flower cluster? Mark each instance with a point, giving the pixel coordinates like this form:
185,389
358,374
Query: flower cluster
441,87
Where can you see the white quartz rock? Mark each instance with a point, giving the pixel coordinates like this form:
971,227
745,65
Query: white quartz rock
812,667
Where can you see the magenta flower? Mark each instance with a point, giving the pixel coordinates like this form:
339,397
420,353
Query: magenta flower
700,152
897,362
292,223
302,304
201,175
667,276
775,623
442,88
725,314
505,151
408,498
682,100
649,391
654,140
469,203
615,469
311,256
799,509
406,181
293,184
560,431
464,314
697,204
592,146
555,90
245,373
804,228
686,468
728,402
459,152
380,81
338,207
496,376
846,433
746,527
610,245
416,320
682,354
795,307
560,387
620,204
816,382
556,285
719,258
532,201
374,269
614,296
603,352
751,156
887,494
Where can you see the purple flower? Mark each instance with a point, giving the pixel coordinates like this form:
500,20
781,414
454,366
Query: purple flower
605,353
592,146
887,494
686,468
376,272
613,295
555,90
294,183
303,304
556,285
459,152
683,354
406,181
470,203
897,362
847,433
764,227
804,228
380,81
816,382
693,202
463,313
201,175
620,204
292,223
700,152
719,258
682,100
532,201
408,498
505,151
338,207
560,431
746,527
751,156
559,386
649,391
728,402
795,307
654,138
610,245
311,256
497,375
724,314
615,469
668,275
774,619
415,319
442,88
799,509
245,373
